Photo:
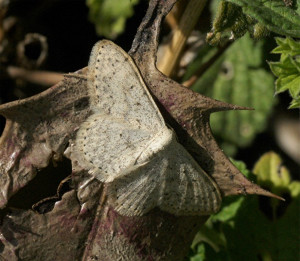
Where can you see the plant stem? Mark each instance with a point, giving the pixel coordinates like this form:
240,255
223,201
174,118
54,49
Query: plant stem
206,65
187,22
43,78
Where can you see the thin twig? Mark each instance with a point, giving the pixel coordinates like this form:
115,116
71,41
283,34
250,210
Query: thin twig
188,83
44,78
187,23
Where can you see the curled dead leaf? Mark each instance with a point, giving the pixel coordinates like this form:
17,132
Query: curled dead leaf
82,225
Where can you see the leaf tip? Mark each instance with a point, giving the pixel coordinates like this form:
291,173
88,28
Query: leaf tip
257,190
223,106
271,195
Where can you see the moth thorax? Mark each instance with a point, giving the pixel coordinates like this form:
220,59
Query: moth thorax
160,142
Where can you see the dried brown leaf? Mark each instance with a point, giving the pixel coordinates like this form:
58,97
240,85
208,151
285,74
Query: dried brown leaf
37,130
82,225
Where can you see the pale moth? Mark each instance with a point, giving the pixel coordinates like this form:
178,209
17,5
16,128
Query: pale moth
126,143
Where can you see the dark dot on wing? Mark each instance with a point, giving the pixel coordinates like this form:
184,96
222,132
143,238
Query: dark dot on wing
113,65
126,59
138,104
98,59
131,87
91,162
96,67
114,73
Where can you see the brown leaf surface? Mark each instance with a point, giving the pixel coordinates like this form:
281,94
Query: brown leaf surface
38,129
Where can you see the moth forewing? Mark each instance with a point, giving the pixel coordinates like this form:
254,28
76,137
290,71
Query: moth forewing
126,144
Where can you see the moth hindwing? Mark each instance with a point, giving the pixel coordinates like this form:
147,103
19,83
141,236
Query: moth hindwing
126,143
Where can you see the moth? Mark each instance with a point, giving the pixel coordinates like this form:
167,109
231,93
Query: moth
127,144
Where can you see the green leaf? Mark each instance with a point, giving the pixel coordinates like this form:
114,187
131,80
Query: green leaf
109,16
295,103
251,228
230,22
238,78
228,211
287,69
287,46
273,14
208,235
200,256
290,82
272,174
231,18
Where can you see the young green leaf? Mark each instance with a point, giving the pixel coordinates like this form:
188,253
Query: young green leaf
287,69
109,16
287,46
272,174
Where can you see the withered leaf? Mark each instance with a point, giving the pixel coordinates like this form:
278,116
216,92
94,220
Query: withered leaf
38,129
82,225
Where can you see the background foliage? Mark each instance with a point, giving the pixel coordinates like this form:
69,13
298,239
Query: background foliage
249,228
109,16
